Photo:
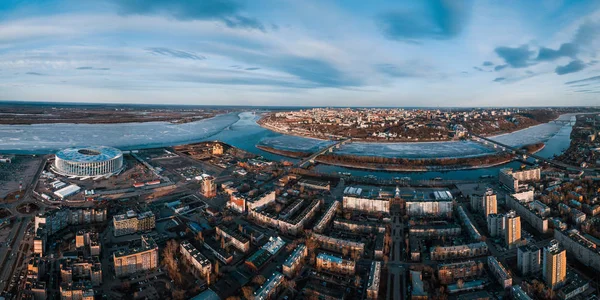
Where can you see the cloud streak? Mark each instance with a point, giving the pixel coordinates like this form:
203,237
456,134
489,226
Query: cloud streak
175,53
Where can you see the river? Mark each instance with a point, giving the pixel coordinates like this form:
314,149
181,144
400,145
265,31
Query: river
240,130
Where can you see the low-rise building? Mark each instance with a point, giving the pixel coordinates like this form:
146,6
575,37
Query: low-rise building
500,272
467,223
236,238
338,245
326,217
434,230
374,280
460,251
200,263
269,288
335,264
519,294
355,226
452,272
294,261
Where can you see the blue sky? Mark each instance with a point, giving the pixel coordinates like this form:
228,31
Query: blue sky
284,52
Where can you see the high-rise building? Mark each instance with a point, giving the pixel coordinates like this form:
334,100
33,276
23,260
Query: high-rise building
555,264
513,229
496,224
528,259
142,258
490,204
132,222
208,188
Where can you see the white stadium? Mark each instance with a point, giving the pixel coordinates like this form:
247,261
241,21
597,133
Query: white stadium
96,161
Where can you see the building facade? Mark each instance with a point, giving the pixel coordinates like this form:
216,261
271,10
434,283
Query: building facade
137,259
132,222
200,263
513,229
335,264
554,265
528,259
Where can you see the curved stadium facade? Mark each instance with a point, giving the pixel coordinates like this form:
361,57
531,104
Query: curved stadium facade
89,161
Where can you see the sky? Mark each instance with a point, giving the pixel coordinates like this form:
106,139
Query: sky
302,52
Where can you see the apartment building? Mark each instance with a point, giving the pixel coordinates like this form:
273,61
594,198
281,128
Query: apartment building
513,229
294,261
269,288
452,272
136,259
335,264
236,238
200,263
326,217
528,259
374,281
132,222
554,265
467,223
338,245
500,272
460,251
514,179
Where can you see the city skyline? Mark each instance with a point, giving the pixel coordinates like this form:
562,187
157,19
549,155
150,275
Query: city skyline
309,53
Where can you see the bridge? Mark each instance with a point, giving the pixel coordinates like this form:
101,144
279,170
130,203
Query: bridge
525,154
563,122
311,159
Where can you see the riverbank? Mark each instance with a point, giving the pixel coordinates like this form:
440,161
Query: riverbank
262,123
286,153
408,165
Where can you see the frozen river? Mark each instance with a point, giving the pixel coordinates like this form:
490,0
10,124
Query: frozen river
239,130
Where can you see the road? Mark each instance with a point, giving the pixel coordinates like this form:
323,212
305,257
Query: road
10,255
396,271
307,161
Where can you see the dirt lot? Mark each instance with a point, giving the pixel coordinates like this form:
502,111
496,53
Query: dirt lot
22,169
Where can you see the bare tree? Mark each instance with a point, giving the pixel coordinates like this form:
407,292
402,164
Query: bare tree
248,293
259,279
